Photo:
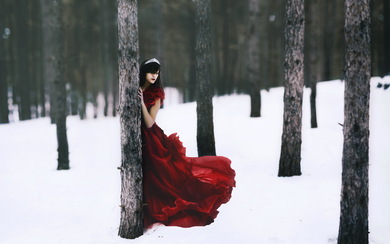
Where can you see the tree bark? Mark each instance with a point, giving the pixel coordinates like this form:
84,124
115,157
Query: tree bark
131,222
353,228
53,47
108,54
386,36
312,48
290,158
253,65
22,52
204,94
48,40
4,111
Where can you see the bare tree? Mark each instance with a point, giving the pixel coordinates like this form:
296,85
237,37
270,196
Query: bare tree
5,61
353,228
253,61
290,157
3,92
108,53
386,31
131,222
312,49
53,48
23,81
204,91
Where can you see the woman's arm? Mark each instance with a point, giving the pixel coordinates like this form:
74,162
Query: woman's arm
149,116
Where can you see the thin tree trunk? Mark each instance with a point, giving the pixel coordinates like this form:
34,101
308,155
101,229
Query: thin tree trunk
204,93
108,53
226,78
353,228
53,65
312,62
4,112
48,45
386,32
131,222
329,40
263,37
290,158
253,61
22,52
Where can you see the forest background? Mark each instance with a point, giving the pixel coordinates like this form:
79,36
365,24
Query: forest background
166,31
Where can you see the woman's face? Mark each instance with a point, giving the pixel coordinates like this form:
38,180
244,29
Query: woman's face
152,77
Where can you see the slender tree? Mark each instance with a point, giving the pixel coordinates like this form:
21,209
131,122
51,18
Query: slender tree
23,81
290,157
131,222
107,52
4,111
386,36
204,91
253,61
353,228
312,49
275,42
53,48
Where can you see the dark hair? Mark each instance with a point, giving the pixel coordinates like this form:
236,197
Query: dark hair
150,67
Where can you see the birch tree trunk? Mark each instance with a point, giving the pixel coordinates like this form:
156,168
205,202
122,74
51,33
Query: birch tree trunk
290,158
253,61
204,94
353,227
131,222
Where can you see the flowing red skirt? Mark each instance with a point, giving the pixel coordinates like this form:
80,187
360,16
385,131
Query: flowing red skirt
179,190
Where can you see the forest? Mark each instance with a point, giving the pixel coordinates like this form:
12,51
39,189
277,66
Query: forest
59,58
90,65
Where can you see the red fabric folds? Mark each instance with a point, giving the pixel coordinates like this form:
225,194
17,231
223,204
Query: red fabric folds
179,190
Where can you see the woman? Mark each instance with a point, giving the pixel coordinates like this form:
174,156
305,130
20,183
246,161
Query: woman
178,190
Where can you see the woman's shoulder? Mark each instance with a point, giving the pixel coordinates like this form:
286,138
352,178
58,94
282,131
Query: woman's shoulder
157,92
152,94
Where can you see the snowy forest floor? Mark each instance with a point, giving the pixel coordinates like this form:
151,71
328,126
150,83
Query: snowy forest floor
42,205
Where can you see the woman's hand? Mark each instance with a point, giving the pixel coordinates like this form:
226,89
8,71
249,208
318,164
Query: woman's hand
141,95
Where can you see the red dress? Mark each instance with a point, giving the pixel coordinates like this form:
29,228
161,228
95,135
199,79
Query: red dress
179,190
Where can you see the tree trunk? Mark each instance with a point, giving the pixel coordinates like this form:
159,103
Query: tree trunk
4,112
108,54
386,32
131,222
263,39
329,41
312,48
204,92
22,52
53,47
48,43
275,43
290,158
353,228
253,60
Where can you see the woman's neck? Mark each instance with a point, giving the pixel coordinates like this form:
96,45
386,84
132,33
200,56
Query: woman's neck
145,86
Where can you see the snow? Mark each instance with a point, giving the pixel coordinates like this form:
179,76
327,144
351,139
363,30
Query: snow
42,205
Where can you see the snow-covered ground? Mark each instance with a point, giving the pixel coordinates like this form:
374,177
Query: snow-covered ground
39,204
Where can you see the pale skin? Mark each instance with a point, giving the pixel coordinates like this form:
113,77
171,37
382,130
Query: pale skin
149,116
